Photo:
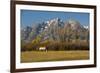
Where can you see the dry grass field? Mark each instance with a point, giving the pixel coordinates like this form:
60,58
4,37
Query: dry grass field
42,56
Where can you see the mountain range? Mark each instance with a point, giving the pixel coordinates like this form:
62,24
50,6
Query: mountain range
55,29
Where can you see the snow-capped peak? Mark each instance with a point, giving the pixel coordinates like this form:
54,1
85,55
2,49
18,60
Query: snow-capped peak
86,27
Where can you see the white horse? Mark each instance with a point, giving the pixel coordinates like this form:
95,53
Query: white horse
42,49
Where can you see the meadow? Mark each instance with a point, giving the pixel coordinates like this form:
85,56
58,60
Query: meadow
43,56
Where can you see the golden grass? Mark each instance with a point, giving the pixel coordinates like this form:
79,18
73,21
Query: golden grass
40,56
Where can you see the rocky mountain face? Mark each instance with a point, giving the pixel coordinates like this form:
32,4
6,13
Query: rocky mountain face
55,29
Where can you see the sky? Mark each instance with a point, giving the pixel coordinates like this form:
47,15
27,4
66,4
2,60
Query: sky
32,17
